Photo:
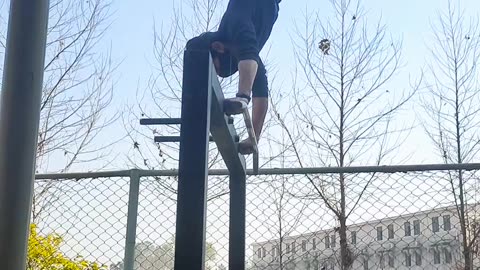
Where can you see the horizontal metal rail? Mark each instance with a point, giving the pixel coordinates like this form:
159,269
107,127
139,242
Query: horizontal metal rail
273,171
160,121
171,139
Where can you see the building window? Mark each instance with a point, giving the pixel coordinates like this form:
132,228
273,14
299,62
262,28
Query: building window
354,238
315,264
418,258
379,233
448,256
293,247
328,266
327,241
365,263
391,233
446,223
304,245
408,259
407,228
435,225
391,260
436,256
314,243
332,241
287,249
259,253
416,227
382,260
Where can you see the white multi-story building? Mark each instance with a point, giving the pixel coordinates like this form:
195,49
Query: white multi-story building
422,240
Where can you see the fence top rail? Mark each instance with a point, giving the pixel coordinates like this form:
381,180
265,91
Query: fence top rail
270,171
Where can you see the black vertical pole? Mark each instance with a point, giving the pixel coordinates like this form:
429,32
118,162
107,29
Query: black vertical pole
19,121
237,221
193,172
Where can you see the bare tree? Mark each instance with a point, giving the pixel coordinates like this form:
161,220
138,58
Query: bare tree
162,97
451,107
149,256
76,94
345,111
78,86
287,216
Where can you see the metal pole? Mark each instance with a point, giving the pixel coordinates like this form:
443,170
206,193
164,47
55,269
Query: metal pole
19,121
132,215
236,241
193,169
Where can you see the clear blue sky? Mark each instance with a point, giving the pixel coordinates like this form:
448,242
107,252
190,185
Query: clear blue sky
131,33
131,37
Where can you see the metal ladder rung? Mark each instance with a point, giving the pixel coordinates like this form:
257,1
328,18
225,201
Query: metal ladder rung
160,121
171,139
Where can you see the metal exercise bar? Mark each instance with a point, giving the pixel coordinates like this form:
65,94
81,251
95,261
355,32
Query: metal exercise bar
160,121
251,136
167,139
236,241
223,131
226,138
193,167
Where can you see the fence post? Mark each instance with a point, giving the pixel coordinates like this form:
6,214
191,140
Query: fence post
129,258
19,121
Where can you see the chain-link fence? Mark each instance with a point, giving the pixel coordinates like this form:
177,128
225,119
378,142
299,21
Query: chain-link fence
77,221
395,220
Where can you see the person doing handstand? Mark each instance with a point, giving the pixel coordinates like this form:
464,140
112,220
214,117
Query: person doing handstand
242,33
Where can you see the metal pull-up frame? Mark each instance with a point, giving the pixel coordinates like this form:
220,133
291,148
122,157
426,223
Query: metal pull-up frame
202,114
202,121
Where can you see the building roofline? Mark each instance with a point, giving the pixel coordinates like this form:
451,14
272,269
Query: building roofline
432,210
